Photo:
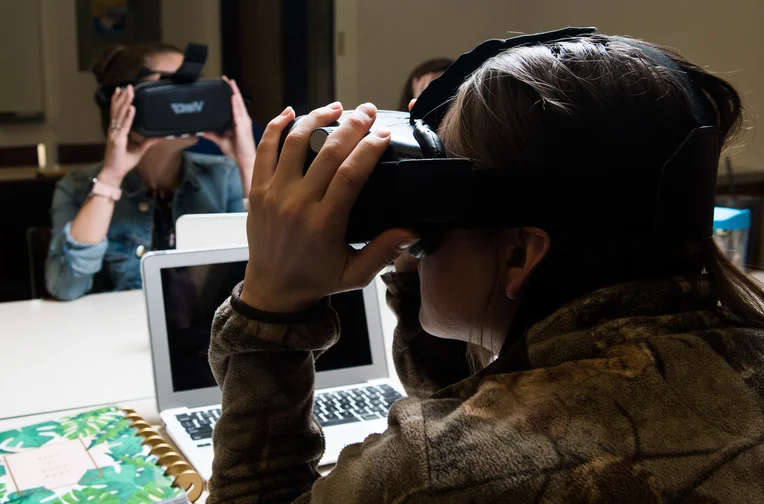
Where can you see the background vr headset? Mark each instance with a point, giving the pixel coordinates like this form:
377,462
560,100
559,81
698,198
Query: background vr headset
177,104
417,186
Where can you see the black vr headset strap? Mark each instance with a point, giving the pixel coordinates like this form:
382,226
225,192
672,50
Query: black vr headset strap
686,194
194,59
432,104
702,111
684,198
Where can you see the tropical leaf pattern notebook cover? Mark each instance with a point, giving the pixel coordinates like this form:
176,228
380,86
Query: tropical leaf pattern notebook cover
123,471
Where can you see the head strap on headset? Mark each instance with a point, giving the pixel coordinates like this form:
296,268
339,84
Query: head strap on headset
194,58
671,201
432,104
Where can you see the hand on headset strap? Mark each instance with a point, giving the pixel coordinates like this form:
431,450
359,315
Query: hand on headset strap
296,225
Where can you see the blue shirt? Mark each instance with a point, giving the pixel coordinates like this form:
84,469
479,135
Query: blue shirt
209,184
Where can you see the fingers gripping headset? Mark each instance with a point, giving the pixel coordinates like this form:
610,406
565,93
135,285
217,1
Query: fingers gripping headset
417,186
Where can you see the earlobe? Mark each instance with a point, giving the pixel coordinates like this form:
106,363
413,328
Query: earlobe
526,251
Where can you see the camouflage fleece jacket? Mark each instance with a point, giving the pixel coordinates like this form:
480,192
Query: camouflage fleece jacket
636,393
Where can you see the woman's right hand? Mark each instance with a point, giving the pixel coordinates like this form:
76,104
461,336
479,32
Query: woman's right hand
122,152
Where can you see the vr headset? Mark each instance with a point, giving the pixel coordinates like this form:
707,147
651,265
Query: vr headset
417,186
178,104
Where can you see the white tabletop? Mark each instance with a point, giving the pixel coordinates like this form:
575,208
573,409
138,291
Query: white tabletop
88,352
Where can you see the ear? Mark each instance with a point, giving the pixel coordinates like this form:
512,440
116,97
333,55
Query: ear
525,249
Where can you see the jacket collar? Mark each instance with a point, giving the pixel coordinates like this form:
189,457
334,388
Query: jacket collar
586,327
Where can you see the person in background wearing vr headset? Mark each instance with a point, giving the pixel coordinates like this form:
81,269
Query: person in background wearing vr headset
106,218
611,364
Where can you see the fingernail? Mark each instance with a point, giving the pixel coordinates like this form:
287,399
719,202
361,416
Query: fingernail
286,111
367,108
335,106
403,245
382,132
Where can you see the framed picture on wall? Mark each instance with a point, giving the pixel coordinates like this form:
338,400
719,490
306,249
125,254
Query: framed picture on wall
101,23
108,16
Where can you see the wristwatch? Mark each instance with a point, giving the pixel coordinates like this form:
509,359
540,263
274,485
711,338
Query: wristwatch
105,190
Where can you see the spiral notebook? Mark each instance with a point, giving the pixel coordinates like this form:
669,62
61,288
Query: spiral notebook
108,456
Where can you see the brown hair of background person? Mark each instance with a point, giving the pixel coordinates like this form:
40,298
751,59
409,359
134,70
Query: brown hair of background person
434,66
118,65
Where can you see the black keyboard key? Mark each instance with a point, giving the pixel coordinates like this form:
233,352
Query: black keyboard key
201,435
187,424
203,430
370,416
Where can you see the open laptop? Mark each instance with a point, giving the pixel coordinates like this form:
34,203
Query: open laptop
228,230
184,288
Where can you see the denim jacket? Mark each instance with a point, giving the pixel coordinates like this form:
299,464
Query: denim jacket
209,184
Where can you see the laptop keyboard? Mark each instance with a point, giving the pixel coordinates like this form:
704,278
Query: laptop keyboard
354,405
199,424
329,408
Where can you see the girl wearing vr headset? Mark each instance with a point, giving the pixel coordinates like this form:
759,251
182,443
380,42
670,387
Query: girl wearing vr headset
610,368
107,217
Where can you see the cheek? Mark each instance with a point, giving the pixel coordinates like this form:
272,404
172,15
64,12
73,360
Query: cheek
455,288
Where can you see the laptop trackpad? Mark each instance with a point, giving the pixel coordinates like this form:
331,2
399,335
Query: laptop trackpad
342,435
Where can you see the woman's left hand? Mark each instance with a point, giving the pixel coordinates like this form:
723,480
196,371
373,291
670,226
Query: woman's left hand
238,143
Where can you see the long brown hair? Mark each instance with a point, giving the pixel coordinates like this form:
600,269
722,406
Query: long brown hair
437,65
119,64
581,93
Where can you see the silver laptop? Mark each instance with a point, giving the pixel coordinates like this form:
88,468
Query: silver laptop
184,288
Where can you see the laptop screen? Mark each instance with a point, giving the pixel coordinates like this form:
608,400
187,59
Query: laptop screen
193,293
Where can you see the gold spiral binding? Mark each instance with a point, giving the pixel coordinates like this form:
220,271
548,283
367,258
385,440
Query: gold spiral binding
184,476
153,439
